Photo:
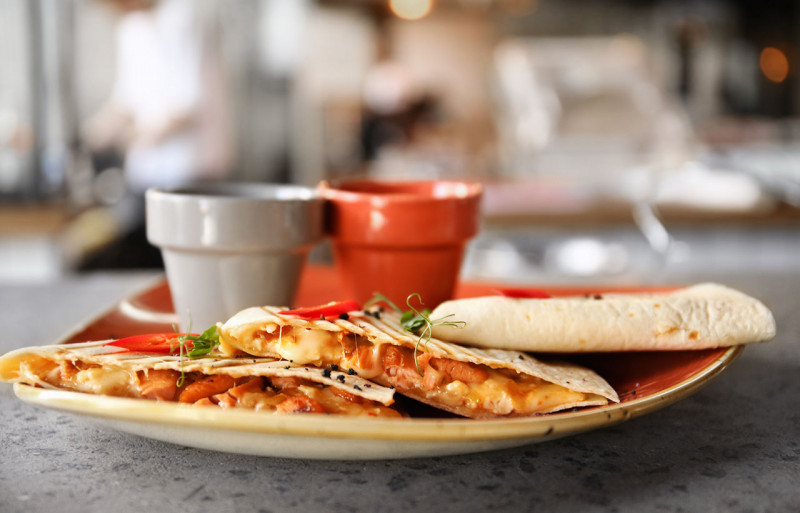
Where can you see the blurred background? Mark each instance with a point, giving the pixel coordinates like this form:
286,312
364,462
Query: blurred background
618,141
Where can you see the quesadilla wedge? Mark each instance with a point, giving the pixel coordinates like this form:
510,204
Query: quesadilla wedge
259,383
477,383
698,317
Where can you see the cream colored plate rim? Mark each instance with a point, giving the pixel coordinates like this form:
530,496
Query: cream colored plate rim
329,426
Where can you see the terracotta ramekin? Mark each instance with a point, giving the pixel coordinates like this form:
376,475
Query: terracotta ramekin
400,237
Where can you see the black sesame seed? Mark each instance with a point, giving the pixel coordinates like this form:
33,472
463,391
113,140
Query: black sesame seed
287,367
597,296
367,385
326,373
356,387
340,377
520,357
351,372
334,367
344,316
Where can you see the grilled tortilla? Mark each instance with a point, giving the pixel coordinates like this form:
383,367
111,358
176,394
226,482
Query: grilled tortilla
260,383
699,317
477,383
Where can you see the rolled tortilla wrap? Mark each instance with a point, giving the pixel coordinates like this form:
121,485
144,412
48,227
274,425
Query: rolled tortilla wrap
698,317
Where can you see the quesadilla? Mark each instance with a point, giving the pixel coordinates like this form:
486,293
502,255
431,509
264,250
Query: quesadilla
477,383
698,317
259,383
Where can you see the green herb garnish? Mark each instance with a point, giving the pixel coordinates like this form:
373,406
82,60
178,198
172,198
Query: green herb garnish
204,343
201,345
414,320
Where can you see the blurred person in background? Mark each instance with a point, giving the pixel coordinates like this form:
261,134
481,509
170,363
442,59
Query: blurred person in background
166,122
401,120
167,108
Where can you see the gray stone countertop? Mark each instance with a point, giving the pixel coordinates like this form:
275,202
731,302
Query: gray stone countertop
734,446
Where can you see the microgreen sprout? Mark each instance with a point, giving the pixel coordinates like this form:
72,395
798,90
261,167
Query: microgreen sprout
413,320
195,346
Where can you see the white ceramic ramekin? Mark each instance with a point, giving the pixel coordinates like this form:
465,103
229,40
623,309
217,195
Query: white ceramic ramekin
227,246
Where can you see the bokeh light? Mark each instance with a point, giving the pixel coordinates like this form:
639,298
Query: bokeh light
774,64
411,9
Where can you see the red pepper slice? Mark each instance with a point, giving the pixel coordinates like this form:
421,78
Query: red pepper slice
328,310
524,293
157,343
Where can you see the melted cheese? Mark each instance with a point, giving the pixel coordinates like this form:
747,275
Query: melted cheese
367,360
306,346
525,396
105,381
319,347
30,372
502,392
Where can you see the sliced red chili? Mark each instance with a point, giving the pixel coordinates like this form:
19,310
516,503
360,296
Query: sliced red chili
524,293
158,343
328,310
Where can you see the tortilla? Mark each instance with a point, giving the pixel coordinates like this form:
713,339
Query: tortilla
260,383
698,317
477,383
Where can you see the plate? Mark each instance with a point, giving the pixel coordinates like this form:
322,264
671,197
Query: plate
645,382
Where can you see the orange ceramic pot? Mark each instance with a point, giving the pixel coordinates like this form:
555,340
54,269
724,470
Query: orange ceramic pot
400,238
